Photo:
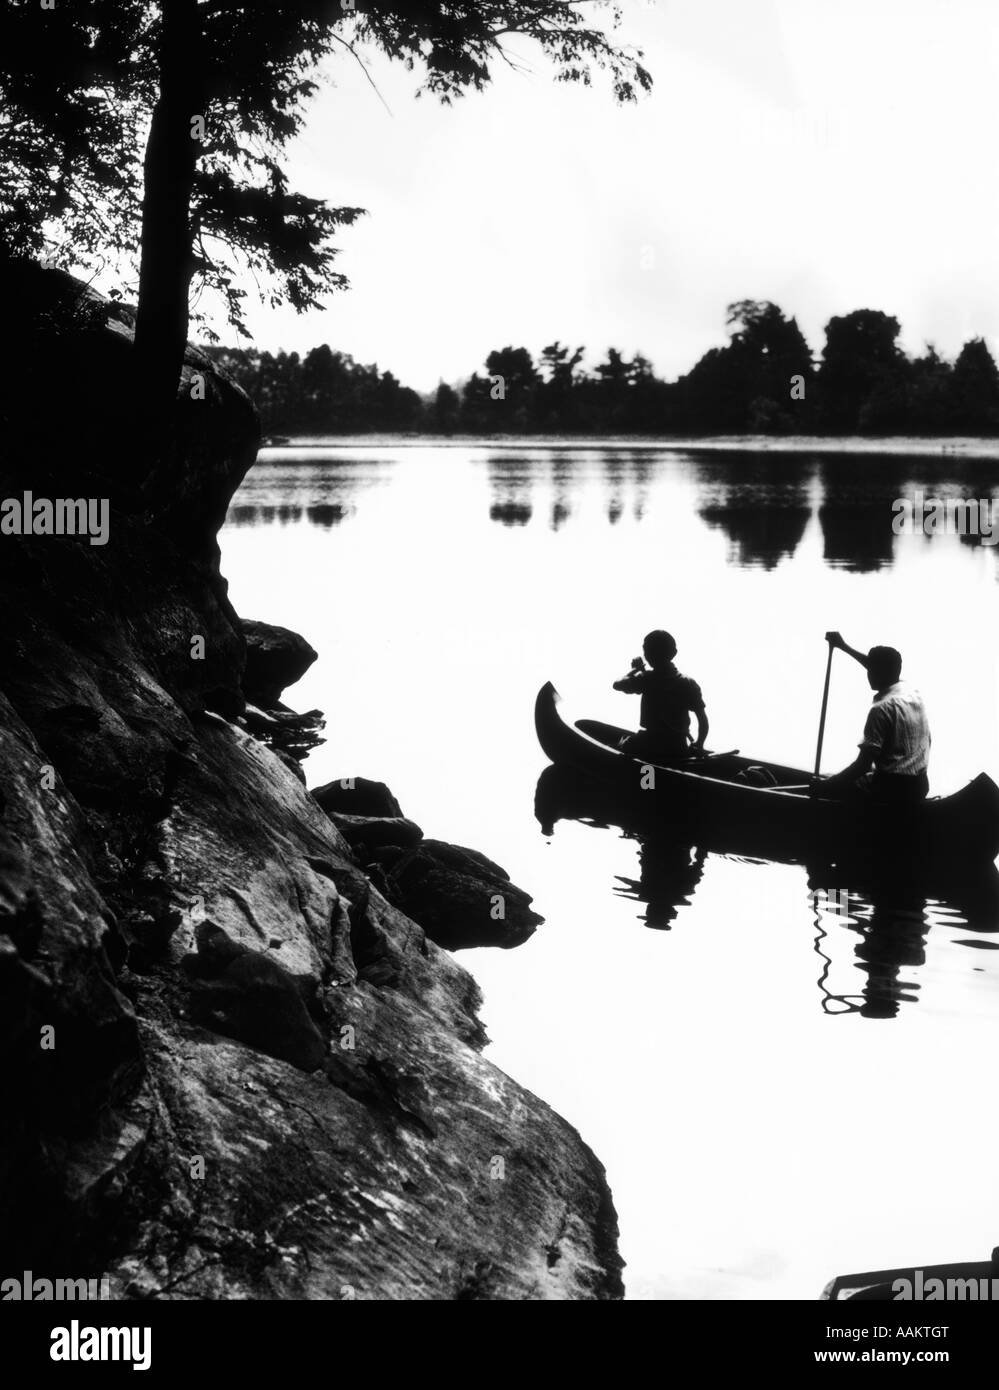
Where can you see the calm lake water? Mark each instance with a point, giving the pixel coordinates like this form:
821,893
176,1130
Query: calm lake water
780,1094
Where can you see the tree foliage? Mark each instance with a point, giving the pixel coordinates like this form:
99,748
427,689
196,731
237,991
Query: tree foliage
862,370
70,138
324,392
456,45
85,87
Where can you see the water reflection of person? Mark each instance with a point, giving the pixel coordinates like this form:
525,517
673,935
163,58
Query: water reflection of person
892,938
895,938
892,915
670,866
669,871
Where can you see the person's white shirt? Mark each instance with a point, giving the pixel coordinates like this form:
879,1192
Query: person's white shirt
897,731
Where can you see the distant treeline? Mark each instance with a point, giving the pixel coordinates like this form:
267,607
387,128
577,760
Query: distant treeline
764,381
324,392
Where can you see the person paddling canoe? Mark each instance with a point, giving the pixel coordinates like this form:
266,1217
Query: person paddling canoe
668,700
895,750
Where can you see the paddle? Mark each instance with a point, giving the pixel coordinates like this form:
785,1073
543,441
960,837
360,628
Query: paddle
825,703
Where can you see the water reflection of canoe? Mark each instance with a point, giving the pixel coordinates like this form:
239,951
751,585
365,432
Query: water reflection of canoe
779,822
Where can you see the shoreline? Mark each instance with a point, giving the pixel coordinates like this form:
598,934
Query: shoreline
900,446
268,1048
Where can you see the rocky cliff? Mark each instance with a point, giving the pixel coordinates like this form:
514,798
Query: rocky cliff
235,1062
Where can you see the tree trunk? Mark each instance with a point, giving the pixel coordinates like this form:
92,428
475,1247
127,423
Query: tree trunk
167,262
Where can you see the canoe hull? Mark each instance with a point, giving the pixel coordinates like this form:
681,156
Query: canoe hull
879,1285
766,821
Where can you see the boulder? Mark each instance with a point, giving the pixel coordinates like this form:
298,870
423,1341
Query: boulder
375,832
356,796
462,899
284,731
276,657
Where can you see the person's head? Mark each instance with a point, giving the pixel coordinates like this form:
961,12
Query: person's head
884,666
659,648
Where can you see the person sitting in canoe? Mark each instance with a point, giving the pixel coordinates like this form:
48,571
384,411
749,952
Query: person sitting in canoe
895,750
668,700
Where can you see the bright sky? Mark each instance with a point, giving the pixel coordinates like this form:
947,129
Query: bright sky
826,154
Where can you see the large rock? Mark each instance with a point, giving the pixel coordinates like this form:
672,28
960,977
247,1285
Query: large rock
462,899
250,996
375,832
459,897
230,1067
276,657
70,1047
66,367
357,796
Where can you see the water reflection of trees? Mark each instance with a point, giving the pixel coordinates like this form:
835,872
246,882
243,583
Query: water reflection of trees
626,478
324,514
613,470
856,536
856,510
323,494
859,492
563,482
513,479
762,502
759,501
641,465
511,482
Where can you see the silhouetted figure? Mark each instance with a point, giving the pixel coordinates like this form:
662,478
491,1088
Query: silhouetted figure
668,700
894,754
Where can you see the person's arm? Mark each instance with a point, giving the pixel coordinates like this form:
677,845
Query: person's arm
695,704
876,730
862,763
702,728
634,681
835,640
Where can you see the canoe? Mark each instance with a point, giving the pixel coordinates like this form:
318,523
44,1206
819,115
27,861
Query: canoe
968,1281
708,802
